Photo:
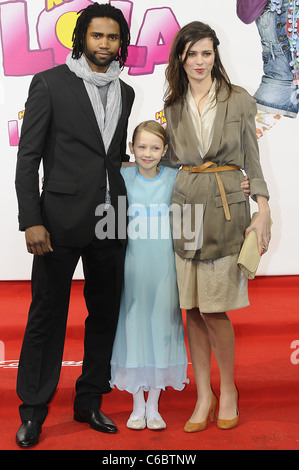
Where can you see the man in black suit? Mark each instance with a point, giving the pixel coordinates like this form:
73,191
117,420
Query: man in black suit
75,122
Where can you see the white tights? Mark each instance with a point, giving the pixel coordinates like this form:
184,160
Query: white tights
148,408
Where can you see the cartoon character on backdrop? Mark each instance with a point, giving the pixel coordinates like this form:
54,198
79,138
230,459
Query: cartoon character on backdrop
277,23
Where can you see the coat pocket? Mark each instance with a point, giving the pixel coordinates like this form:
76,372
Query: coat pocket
176,214
178,198
186,224
63,187
232,198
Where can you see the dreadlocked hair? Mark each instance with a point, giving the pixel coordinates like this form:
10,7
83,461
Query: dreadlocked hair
100,11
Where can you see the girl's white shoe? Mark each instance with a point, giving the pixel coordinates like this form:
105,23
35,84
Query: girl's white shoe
156,423
137,423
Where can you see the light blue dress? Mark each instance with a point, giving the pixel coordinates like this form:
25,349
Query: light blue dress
149,347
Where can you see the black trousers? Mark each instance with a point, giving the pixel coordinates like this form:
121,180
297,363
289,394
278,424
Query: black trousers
43,344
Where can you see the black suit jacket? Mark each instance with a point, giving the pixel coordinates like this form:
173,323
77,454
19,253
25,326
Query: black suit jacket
60,129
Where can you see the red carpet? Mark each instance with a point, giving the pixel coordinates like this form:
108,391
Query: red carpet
267,376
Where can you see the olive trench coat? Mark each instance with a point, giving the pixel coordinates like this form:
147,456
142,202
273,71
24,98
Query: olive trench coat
234,143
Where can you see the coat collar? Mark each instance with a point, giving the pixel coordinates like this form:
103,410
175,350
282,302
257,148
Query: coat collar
219,123
184,129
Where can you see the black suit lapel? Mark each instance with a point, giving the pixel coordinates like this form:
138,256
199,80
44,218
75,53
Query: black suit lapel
80,93
123,116
78,88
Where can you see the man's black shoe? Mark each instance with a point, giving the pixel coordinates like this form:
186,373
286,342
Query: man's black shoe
28,433
96,419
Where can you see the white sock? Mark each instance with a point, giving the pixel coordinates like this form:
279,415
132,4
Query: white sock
152,410
138,405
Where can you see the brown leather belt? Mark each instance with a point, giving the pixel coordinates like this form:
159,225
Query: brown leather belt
211,167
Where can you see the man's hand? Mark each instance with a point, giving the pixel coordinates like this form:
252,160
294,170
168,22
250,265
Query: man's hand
38,240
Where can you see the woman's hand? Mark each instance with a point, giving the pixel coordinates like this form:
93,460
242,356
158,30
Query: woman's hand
262,225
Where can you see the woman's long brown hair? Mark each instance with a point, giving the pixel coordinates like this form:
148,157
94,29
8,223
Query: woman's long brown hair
175,74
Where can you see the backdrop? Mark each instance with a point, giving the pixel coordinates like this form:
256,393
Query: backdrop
36,35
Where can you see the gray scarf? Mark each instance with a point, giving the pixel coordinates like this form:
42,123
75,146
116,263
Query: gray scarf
107,119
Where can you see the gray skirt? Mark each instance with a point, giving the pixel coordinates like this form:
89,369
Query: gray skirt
212,286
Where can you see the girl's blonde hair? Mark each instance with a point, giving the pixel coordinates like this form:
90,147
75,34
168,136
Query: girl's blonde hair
154,128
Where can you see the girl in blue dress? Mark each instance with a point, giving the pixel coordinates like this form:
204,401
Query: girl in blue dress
149,351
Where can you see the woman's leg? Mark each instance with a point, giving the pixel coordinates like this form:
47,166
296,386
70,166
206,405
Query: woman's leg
200,351
222,339
208,332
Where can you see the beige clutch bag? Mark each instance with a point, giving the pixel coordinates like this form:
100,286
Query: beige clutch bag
249,257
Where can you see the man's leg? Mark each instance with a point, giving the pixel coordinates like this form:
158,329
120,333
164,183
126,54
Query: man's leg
103,263
42,350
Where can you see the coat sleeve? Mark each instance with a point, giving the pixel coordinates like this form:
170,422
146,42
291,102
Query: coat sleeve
32,142
129,103
253,167
123,145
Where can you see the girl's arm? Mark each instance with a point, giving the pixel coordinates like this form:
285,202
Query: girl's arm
245,185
